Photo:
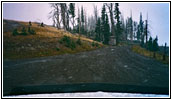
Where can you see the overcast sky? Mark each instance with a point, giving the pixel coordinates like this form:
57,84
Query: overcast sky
158,14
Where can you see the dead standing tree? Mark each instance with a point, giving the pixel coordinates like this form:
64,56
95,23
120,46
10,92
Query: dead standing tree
110,7
55,15
63,14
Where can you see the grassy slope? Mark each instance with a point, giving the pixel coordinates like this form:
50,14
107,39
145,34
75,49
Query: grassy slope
147,53
44,43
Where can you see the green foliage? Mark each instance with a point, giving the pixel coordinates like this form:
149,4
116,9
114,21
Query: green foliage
23,31
31,31
141,24
155,44
68,42
57,48
118,24
79,41
72,9
30,24
95,44
82,15
150,44
98,30
107,30
42,24
15,32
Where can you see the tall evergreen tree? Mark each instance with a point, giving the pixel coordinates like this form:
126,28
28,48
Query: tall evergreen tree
141,24
155,46
103,22
150,44
98,30
82,20
118,23
146,30
135,29
107,30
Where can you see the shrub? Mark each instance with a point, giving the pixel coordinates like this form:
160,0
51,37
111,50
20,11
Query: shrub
68,42
96,44
57,48
24,31
30,24
79,41
93,44
31,31
15,32
42,24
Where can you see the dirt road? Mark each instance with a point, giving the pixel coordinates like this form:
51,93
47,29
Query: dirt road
118,65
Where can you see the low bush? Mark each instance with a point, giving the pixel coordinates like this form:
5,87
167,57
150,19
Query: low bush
15,32
57,48
79,41
23,31
68,42
95,44
31,31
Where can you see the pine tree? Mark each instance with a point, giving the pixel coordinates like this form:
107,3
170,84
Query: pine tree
103,22
155,46
165,51
146,30
107,30
141,24
138,33
118,23
98,30
150,44
135,29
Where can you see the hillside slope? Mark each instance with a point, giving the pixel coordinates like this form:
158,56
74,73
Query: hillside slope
46,42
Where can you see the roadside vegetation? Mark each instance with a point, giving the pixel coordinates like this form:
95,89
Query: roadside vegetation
31,40
155,55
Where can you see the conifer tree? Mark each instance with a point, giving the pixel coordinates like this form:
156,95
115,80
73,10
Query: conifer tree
103,22
107,30
118,23
98,30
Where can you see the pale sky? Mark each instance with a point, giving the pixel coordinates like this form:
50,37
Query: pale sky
158,14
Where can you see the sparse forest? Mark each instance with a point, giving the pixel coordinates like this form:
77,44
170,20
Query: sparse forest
79,49
110,23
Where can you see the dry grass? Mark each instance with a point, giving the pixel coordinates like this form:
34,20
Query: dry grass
147,53
44,43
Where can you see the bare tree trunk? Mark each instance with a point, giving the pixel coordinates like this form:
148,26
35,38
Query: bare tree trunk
63,14
95,13
110,7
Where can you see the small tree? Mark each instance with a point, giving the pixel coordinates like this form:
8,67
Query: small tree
165,51
15,32
150,44
31,31
79,41
155,46
118,23
42,24
23,31
98,30
30,24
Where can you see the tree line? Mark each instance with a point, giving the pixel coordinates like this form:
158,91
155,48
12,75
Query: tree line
110,23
